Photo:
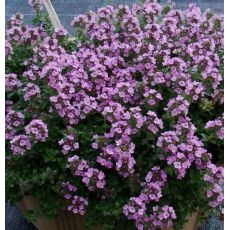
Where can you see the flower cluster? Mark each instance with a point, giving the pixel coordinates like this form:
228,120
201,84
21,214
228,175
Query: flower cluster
31,91
20,34
13,121
20,144
152,96
154,182
37,130
16,20
118,156
68,144
12,82
178,106
77,166
160,217
214,177
91,177
77,203
136,209
32,73
8,50
8,106
195,90
217,126
153,122
182,147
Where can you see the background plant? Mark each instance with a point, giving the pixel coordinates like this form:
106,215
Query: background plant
123,124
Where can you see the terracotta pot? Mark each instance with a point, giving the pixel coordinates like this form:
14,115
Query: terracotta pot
192,223
65,220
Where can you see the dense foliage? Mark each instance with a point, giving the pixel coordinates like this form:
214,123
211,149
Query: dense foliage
122,123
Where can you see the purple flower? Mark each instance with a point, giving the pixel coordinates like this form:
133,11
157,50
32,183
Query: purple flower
68,144
12,82
31,91
217,126
20,144
37,130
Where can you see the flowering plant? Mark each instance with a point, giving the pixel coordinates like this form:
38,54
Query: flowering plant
123,123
